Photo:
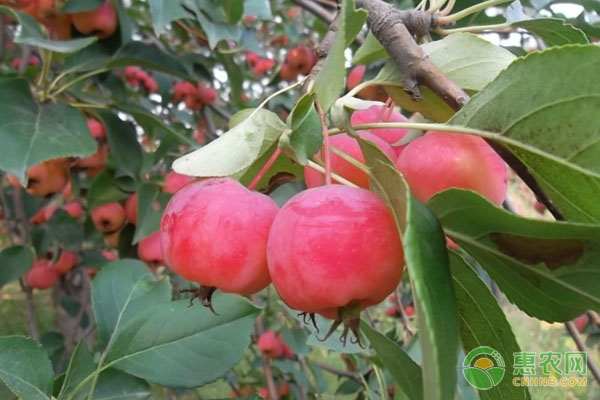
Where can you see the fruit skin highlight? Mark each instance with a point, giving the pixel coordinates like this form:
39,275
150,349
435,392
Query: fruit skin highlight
438,161
332,247
383,114
219,210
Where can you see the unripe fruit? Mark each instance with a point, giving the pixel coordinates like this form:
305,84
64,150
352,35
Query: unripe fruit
96,129
65,262
355,76
342,167
175,181
150,251
108,217
131,208
219,210
41,275
382,114
332,248
102,21
437,161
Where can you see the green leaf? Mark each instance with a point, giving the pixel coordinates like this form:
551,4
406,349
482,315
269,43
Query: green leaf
163,12
123,143
307,133
471,62
149,121
72,6
483,323
427,261
15,261
548,123
236,149
32,133
330,81
150,210
193,345
122,290
551,270
258,8
34,34
370,51
437,311
554,32
104,189
214,23
80,366
25,368
65,229
234,9
116,385
149,57
406,373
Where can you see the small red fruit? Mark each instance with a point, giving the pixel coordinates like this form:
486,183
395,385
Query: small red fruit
131,208
342,167
150,251
539,207
182,90
263,392
383,114
437,161
252,58
219,210
409,310
355,76
41,275
270,345
74,209
96,160
341,246
96,128
581,322
175,181
109,255
206,95
108,217
102,21
65,262
287,73
301,59
47,178
391,311
284,389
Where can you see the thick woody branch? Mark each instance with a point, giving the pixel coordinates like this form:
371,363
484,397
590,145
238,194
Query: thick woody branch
395,29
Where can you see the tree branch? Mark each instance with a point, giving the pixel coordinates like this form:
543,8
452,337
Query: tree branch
316,9
395,30
572,329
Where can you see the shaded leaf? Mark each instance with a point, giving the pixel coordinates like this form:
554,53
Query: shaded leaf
15,261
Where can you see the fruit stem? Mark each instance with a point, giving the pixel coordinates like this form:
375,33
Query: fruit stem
479,28
319,168
76,80
264,169
350,159
46,63
277,93
445,20
325,142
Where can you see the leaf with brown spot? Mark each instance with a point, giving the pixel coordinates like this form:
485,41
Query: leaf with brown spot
555,253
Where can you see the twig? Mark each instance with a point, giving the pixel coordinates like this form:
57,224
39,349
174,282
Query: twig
266,365
326,147
33,330
572,329
316,9
408,329
220,112
2,34
211,129
25,55
594,317
337,371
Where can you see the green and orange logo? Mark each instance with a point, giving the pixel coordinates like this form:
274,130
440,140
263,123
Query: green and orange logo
483,368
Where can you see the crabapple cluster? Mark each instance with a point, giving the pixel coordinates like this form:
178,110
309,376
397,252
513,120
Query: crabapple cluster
101,22
194,96
136,77
272,345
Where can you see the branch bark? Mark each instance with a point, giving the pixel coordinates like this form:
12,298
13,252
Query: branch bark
572,329
316,9
395,29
